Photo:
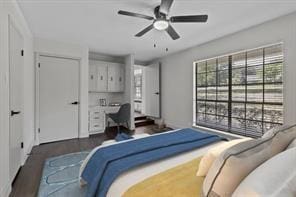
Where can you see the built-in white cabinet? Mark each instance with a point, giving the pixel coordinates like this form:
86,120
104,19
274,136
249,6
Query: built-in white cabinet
97,117
102,78
106,77
96,120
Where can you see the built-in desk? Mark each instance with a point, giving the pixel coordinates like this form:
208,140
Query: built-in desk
97,117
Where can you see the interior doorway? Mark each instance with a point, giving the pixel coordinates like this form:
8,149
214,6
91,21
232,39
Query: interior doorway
138,90
146,94
58,96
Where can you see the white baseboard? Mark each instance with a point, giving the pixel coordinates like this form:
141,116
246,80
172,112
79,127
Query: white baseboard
84,135
173,126
36,142
6,190
28,151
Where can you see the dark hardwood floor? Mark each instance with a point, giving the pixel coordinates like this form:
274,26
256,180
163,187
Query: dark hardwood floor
27,182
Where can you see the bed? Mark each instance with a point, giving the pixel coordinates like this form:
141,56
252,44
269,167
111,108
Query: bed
127,179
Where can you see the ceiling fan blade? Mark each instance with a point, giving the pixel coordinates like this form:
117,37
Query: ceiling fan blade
189,19
126,13
141,33
165,6
171,31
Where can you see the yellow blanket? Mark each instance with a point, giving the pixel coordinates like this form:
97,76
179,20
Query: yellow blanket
179,181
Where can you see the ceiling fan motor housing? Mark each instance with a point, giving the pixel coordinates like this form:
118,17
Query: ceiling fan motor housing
158,14
160,23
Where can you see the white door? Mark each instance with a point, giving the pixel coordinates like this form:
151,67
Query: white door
152,90
58,98
102,80
16,99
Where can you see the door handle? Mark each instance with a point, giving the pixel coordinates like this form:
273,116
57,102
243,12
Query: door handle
157,93
75,103
12,113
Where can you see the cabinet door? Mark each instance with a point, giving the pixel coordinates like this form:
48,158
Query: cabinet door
102,82
112,74
96,121
117,68
92,78
116,78
121,78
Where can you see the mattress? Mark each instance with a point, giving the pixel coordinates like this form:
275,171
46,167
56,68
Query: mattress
138,174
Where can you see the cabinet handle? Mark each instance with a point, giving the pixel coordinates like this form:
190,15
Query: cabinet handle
111,79
119,78
96,117
102,77
91,77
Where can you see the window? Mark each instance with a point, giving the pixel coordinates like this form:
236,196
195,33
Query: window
138,77
241,93
138,84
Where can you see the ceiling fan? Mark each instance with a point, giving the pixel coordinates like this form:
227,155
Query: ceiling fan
162,22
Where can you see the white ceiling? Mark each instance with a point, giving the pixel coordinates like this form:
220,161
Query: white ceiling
95,23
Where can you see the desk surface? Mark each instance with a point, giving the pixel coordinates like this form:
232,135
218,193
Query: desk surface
98,106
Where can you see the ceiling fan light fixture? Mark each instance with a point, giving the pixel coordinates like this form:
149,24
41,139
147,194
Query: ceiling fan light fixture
161,24
162,20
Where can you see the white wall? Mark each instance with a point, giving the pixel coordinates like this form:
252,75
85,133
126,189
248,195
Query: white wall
129,86
105,58
10,9
75,51
111,97
177,69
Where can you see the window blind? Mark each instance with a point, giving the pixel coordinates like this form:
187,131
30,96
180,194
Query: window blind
241,93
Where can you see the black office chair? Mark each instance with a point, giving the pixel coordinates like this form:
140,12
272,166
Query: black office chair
122,116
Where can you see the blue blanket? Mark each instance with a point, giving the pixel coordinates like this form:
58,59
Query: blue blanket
122,136
109,162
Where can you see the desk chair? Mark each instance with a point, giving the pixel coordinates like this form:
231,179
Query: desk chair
122,116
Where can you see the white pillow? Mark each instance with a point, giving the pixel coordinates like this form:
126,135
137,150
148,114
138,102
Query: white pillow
209,158
275,177
292,144
273,131
237,162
